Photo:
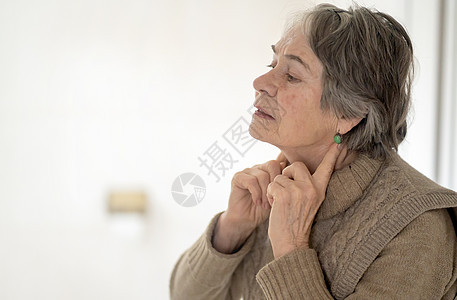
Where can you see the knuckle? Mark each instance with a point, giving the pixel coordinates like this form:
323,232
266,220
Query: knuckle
239,175
244,170
236,176
272,167
298,164
277,177
261,176
264,176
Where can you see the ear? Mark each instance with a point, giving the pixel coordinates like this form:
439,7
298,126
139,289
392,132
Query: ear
345,125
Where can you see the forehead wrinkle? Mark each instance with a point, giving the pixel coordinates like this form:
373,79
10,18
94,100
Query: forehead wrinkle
283,42
293,58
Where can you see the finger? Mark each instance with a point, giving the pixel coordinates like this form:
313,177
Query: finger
297,171
282,160
276,191
271,191
283,181
248,182
272,167
263,179
325,169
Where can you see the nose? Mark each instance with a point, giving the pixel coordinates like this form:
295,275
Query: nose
264,84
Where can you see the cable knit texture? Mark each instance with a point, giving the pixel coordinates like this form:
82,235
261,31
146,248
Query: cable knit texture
382,223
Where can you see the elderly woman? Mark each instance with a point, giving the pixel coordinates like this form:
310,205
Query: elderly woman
339,214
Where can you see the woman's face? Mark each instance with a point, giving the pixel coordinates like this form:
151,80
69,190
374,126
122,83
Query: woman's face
290,95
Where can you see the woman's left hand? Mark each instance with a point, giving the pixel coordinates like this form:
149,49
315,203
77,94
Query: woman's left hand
295,197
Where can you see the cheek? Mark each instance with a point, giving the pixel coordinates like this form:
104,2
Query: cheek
294,117
292,102
303,117
297,107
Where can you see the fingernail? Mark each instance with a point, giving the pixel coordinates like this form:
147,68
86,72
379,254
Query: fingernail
340,146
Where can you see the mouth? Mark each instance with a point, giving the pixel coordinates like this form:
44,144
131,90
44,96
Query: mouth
261,113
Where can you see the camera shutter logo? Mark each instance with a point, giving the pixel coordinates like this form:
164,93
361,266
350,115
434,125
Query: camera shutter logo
188,189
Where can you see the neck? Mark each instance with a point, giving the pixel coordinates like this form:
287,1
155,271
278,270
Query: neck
312,157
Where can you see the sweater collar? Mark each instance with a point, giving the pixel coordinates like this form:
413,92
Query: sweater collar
347,185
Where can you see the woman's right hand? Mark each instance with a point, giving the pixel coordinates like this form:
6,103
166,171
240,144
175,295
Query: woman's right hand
248,205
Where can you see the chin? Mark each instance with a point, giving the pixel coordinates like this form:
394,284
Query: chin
258,133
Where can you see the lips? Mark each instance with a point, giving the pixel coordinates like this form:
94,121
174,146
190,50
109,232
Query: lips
262,113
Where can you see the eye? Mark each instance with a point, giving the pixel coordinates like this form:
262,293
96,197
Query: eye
291,78
271,66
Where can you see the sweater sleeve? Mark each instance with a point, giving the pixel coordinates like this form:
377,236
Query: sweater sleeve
204,273
427,246
297,275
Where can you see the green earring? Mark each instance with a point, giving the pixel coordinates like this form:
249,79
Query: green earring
338,139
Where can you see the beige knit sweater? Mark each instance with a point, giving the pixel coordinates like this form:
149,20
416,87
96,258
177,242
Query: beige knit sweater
384,231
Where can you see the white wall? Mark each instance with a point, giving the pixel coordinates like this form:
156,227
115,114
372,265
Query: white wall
103,95
446,161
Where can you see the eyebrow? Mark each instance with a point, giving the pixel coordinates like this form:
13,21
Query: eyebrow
293,57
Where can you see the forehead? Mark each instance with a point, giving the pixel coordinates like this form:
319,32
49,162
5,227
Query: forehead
295,42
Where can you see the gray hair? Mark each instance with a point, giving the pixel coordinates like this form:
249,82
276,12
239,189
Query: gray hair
367,60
